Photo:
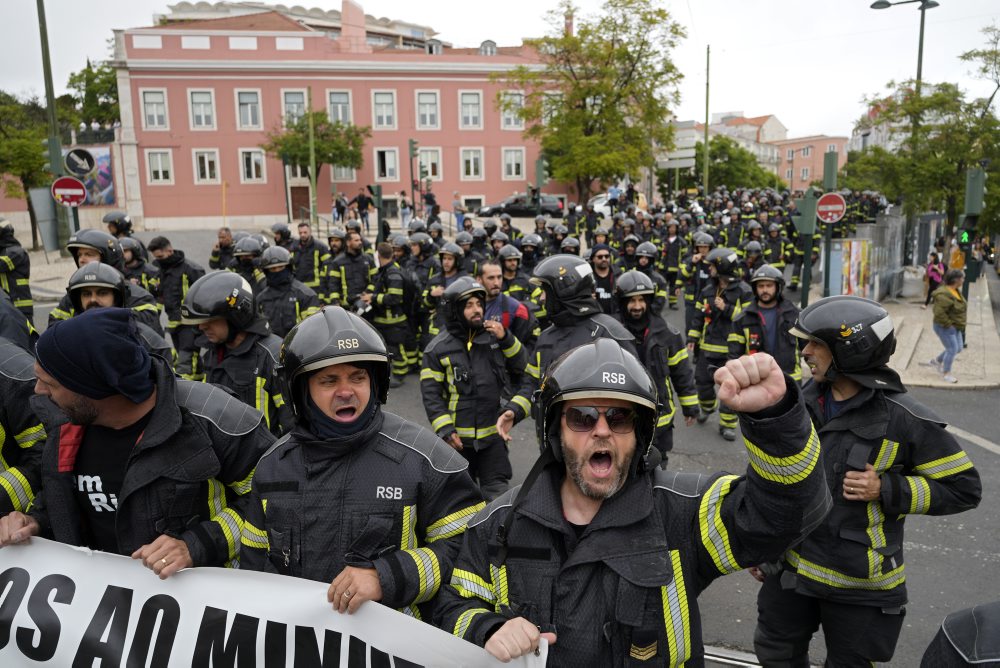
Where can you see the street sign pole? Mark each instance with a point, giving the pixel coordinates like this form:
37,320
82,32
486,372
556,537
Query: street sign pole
806,226
829,185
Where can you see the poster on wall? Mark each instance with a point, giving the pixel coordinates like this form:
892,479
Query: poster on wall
100,181
856,268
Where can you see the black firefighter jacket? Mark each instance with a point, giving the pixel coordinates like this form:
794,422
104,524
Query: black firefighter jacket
15,273
464,377
748,337
286,307
393,498
21,433
663,353
188,476
711,325
625,591
856,555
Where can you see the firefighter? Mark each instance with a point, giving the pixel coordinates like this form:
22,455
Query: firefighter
286,301
177,275
765,324
246,263
15,270
23,435
390,299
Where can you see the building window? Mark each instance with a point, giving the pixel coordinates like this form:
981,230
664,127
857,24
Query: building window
206,166
804,174
294,103
154,109
512,103
384,109
472,164
429,162
159,168
513,164
807,151
488,48
196,42
472,203
243,43
831,147
343,174
248,108
289,44
252,166
551,103
147,42
202,110
386,164
339,103
471,112
788,174
790,155
298,172
427,110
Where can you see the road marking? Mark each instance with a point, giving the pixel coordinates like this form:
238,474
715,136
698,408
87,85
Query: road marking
972,438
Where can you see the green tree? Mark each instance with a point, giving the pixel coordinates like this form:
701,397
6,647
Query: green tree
22,163
95,92
729,164
335,143
598,101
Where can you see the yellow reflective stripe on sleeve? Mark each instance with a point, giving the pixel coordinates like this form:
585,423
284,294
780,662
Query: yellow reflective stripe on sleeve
242,487
736,338
675,614
453,524
876,536
831,578
7,261
261,402
785,470
678,357
946,466
499,578
920,494
450,380
16,485
714,534
689,400
254,538
227,519
521,403
665,420
409,538
59,314
278,400
886,455
476,432
30,436
513,349
21,303
428,573
470,585
306,313
395,291
442,421
714,348
430,374
464,619
145,307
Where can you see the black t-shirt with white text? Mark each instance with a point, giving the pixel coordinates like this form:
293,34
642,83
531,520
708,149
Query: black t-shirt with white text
98,474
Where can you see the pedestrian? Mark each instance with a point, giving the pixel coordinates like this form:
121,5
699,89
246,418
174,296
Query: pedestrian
949,321
239,351
886,456
458,210
355,496
405,209
467,369
934,274
118,420
363,202
605,553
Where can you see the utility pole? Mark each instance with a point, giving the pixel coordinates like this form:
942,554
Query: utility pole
53,143
312,158
829,185
704,180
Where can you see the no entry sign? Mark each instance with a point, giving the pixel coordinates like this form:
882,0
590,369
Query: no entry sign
69,191
831,207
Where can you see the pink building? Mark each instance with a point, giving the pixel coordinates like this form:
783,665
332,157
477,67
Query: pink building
198,98
802,158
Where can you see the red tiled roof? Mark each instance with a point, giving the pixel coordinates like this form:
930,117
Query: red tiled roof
263,21
743,120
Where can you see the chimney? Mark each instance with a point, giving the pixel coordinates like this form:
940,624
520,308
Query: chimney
352,29
568,29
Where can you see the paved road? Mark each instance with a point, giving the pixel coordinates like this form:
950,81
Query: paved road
952,561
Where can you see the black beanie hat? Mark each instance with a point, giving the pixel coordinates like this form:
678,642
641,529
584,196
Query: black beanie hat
97,354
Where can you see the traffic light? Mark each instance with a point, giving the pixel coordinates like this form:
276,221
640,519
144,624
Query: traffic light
414,146
52,152
376,193
541,171
967,231
975,190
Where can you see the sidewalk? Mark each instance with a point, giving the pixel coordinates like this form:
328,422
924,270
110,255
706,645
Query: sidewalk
49,279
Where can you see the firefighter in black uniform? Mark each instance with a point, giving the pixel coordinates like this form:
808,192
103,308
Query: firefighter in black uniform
23,435
765,324
575,318
138,270
354,495
389,313
674,250
246,263
662,351
120,226
609,557
694,275
222,252
283,236
15,270
350,273
286,301
310,257
648,256
177,275
240,351
777,248
886,456
723,298
467,370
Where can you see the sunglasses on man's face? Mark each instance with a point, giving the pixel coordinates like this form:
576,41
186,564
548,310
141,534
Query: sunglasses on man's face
602,257
584,418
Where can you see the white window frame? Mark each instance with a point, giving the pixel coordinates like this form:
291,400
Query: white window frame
466,198
260,111
385,179
788,174
242,43
166,110
804,174
440,162
284,107
289,44
191,114
350,105
807,151
831,147
149,170
461,111
461,163
263,165
790,154
503,164
395,109
196,42
218,167
437,108
334,179
519,122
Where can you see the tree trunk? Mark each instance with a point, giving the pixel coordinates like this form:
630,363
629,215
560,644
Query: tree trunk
32,217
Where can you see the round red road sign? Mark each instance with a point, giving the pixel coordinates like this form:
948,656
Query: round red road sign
69,191
831,207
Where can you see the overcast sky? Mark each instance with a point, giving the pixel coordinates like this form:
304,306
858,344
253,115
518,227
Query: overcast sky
809,62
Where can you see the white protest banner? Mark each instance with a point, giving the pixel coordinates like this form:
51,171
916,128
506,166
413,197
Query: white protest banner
63,606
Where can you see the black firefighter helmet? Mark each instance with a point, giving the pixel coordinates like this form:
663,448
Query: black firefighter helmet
97,275
858,332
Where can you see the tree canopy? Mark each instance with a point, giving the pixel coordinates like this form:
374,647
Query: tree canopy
729,164
335,143
599,101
